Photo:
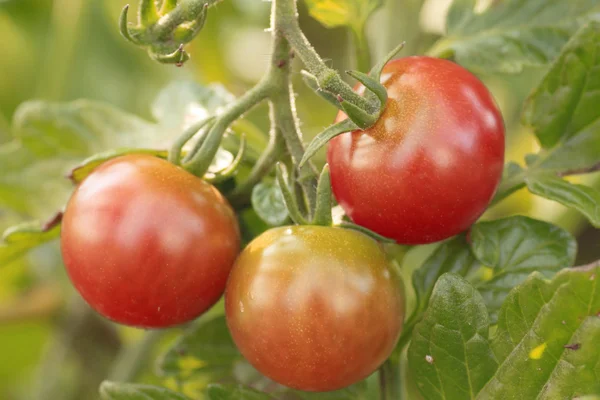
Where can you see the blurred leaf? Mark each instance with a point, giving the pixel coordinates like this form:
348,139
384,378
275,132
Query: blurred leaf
267,201
332,13
134,391
547,338
206,348
513,179
80,172
515,247
453,255
183,103
512,34
582,198
235,392
450,353
565,103
19,239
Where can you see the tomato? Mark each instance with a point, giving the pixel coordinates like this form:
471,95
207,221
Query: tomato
148,244
431,164
314,308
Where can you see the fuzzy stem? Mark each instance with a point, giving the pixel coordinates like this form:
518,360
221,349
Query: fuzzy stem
286,17
284,112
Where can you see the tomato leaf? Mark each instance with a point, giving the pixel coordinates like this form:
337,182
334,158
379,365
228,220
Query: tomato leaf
131,391
453,255
515,247
547,338
512,34
332,13
450,353
267,201
565,104
579,197
235,392
205,348
17,240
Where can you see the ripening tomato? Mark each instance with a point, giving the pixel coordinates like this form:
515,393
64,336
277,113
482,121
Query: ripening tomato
314,308
148,244
431,164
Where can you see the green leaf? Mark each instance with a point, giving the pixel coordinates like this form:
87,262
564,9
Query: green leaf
512,34
450,353
51,138
267,201
206,348
16,241
235,392
566,101
131,391
582,198
332,13
515,247
547,338
451,256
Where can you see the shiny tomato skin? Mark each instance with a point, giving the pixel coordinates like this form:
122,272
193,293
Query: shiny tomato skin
148,244
314,308
429,167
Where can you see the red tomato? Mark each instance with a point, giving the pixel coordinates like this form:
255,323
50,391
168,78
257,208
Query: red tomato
431,164
148,244
314,308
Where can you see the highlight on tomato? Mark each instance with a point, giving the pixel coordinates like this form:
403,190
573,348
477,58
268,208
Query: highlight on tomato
431,164
314,308
148,244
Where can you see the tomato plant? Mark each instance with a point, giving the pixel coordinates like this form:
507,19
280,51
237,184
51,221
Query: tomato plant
431,164
323,296
146,243
213,223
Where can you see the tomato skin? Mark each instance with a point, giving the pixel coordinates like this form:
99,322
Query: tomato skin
148,244
429,167
314,308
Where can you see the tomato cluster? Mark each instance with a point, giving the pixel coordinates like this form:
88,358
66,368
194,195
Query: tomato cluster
312,307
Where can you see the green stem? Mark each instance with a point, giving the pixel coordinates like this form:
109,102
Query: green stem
285,13
133,358
389,380
284,115
200,161
362,52
275,149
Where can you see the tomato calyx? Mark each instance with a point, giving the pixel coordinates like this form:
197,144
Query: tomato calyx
358,118
322,214
164,32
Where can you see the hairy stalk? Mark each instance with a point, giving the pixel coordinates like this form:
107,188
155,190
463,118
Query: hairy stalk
200,162
287,23
273,153
284,110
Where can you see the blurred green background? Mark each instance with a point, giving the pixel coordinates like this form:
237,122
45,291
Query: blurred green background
51,347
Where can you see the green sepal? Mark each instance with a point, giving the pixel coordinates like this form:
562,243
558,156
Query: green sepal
366,231
124,28
359,116
323,208
288,196
372,84
232,168
178,57
322,138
